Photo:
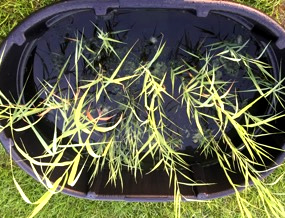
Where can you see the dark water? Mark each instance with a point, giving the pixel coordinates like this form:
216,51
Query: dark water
146,28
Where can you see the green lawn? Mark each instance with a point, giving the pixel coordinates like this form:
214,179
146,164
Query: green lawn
11,204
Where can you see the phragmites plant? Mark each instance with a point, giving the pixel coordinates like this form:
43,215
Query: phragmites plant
122,111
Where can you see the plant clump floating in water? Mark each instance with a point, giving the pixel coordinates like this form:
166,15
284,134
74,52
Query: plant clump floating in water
123,108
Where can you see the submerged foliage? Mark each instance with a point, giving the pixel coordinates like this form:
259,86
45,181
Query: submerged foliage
126,115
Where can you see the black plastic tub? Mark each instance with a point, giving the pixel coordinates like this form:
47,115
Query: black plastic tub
38,46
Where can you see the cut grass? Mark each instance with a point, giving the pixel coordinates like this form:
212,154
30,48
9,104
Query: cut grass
11,12
269,7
